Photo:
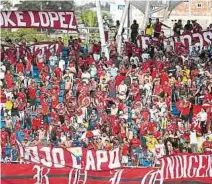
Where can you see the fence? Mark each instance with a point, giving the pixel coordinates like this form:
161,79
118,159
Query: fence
86,34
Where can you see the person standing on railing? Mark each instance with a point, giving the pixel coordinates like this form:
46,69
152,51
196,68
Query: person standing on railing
117,29
149,28
188,27
134,31
157,28
106,26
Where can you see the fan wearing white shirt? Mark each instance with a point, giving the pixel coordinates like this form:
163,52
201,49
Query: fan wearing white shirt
122,90
202,117
2,71
154,114
86,76
134,60
62,64
52,61
193,141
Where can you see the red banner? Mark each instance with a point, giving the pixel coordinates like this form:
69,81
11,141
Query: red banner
174,169
46,47
38,19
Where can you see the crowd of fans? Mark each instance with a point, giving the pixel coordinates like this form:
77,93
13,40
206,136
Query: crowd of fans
150,104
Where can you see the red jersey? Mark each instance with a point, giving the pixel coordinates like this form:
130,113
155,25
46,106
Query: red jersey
20,67
125,149
119,79
4,137
32,92
36,122
157,27
135,142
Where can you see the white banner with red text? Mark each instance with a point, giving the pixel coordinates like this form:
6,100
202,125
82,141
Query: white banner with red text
38,19
201,39
76,157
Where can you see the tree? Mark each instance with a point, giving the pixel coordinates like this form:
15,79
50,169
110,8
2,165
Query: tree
6,4
45,5
88,18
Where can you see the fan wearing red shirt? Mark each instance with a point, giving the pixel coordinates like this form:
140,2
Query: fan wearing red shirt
22,95
29,65
116,127
43,76
166,88
20,67
179,47
36,122
135,91
9,80
58,72
4,137
161,38
96,48
4,140
89,60
55,101
45,106
61,109
32,89
196,27
3,96
13,138
119,78
154,73
11,53
158,88
125,152
207,146
21,104
135,142
157,28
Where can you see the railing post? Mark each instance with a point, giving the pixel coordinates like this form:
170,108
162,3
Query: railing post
124,14
101,29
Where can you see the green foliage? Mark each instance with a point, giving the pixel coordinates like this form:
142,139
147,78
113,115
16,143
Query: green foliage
88,18
6,4
28,34
45,5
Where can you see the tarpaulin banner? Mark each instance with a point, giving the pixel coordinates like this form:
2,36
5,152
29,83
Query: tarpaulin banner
45,48
78,157
174,169
201,39
38,19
